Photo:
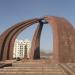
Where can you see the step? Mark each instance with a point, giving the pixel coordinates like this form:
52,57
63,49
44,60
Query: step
30,67
31,70
32,73
24,65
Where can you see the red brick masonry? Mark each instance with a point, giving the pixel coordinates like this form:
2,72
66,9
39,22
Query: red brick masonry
63,39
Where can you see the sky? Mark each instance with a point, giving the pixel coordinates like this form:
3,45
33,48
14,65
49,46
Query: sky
15,11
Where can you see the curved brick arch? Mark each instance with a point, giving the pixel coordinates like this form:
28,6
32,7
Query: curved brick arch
11,43
8,34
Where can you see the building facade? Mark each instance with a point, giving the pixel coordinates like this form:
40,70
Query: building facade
22,49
